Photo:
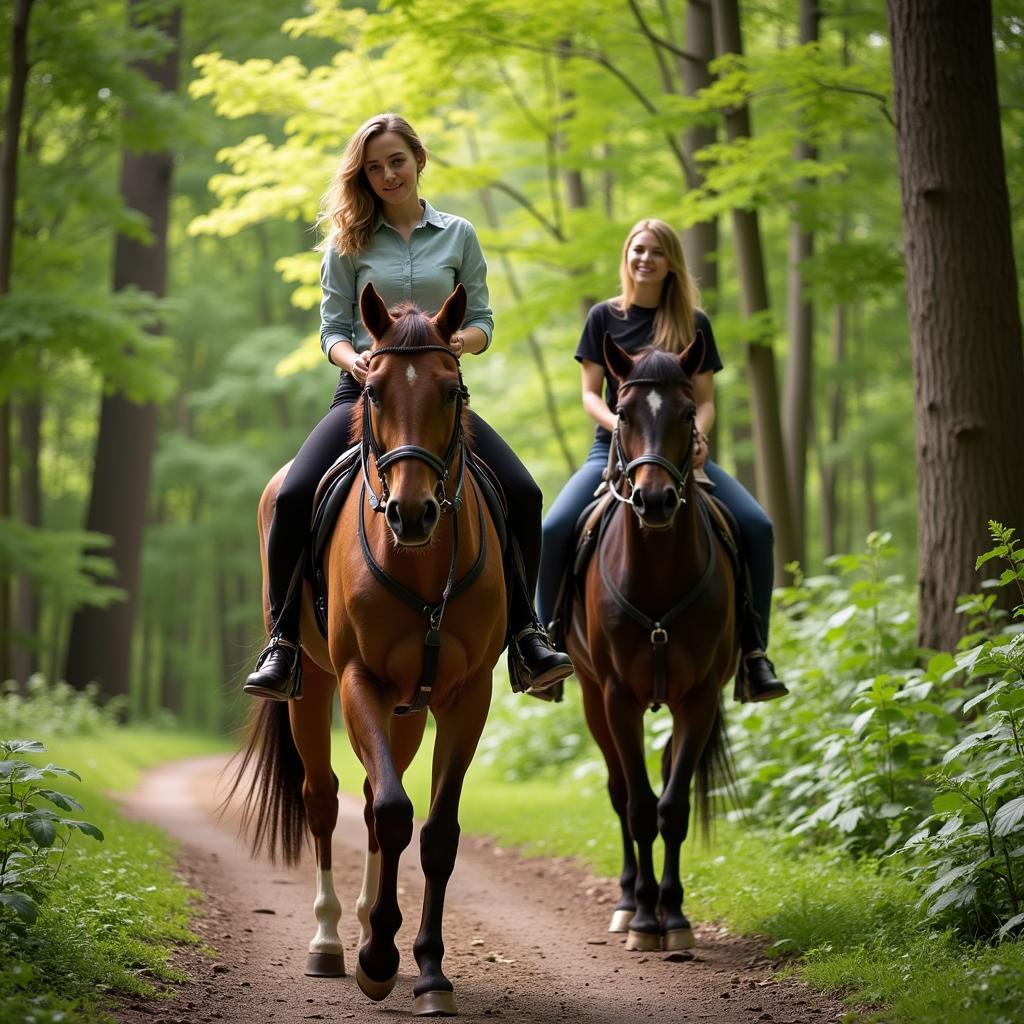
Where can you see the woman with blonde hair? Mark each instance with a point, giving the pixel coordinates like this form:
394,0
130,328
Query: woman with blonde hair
658,306
379,230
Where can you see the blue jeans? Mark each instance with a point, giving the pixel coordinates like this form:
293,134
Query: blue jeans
757,537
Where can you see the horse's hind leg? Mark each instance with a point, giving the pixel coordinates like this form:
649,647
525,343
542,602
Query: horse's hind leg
597,722
691,726
406,736
368,718
625,720
458,731
311,728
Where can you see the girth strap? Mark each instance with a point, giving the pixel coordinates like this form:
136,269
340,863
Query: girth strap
659,627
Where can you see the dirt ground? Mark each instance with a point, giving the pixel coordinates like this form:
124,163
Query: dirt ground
526,938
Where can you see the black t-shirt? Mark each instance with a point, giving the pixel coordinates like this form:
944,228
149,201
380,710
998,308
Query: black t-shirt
633,332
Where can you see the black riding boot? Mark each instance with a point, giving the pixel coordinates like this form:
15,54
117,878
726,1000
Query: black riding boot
278,674
535,665
756,681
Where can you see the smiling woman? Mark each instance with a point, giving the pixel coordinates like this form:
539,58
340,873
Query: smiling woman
380,232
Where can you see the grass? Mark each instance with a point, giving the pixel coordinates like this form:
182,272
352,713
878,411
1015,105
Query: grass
117,908
844,927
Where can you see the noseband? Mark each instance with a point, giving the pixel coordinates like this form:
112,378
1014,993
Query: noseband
383,459
627,467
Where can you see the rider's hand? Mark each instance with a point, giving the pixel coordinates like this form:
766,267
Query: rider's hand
361,367
700,448
456,344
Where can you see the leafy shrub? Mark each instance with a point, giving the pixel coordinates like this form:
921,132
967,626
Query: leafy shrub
845,763
970,852
31,836
57,708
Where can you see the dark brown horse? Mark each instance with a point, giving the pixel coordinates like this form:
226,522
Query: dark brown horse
416,618
657,627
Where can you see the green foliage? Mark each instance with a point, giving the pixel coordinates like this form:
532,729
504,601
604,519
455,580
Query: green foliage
57,708
32,836
970,852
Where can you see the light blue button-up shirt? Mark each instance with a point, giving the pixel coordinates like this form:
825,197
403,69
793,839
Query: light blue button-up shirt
442,251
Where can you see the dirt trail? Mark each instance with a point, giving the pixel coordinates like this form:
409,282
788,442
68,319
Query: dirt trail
525,938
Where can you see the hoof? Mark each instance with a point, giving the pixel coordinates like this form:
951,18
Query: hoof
620,921
325,965
680,938
435,1004
643,942
375,990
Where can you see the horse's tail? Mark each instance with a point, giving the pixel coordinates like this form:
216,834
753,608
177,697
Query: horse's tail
715,776
270,774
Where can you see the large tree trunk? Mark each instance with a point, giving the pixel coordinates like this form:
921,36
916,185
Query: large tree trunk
772,477
965,326
800,318
13,115
101,639
835,418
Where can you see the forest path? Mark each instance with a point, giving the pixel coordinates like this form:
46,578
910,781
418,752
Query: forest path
525,938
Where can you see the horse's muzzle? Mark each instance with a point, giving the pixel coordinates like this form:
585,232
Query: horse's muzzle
413,525
656,506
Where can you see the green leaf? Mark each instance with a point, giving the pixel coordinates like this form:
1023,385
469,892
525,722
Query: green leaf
1008,818
946,802
53,769
85,827
61,800
21,904
947,879
23,746
1012,925
953,898
41,828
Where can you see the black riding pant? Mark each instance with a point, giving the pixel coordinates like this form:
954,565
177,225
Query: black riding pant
293,512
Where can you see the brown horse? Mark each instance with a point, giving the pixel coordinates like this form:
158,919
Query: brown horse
657,627
416,617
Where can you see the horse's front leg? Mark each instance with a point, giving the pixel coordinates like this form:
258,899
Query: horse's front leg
311,729
406,736
692,723
459,725
597,722
368,715
625,719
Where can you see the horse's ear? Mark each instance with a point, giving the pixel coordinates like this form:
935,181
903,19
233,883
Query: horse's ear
376,318
450,316
692,357
617,359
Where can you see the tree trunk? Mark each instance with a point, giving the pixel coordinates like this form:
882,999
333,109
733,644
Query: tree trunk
24,656
772,477
800,318
835,418
101,639
8,191
965,326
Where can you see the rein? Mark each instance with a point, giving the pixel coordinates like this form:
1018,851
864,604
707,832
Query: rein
433,613
656,627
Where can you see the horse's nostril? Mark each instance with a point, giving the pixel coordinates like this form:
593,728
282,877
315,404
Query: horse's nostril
638,500
393,515
431,514
671,500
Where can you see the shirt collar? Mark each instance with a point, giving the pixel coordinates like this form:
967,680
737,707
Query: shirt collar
430,216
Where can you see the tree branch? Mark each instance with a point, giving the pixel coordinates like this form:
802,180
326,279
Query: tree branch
660,41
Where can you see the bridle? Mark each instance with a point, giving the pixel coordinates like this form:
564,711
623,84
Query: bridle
625,467
383,459
433,612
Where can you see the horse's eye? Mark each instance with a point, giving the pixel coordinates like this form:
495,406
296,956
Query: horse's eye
621,413
372,396
451,395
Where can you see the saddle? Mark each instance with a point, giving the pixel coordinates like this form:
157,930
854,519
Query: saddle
334,488
591,524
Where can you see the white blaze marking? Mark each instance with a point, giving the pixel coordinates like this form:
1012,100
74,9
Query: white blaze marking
410,374
654,401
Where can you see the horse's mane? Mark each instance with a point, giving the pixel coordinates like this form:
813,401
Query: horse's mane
412,328
660,367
